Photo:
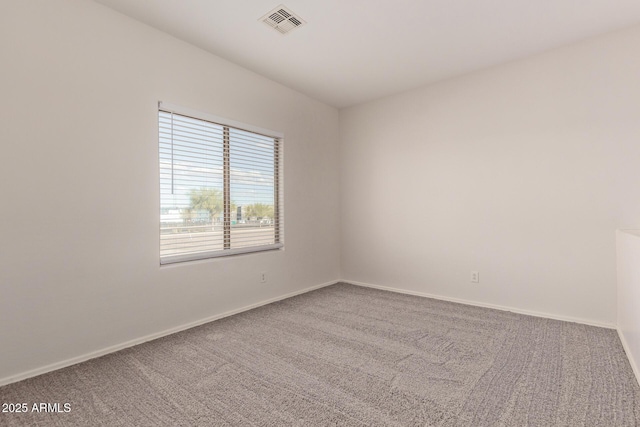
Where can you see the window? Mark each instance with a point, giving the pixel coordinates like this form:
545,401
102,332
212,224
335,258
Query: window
220,187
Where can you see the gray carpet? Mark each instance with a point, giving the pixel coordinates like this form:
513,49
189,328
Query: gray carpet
352,356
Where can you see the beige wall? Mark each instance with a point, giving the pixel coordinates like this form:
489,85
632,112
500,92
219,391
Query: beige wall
628,263
79,262
521,172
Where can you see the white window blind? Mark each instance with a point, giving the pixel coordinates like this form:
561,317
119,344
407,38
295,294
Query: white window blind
220,187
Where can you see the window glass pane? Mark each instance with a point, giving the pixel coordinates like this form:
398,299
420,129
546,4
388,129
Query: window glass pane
191,204
252,178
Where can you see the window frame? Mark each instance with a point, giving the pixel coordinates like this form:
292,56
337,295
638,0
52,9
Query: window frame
278,191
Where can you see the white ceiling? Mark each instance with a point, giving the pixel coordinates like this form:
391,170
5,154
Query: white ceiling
352,51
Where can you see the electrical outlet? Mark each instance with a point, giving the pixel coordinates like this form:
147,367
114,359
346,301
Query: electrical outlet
475,277
263,277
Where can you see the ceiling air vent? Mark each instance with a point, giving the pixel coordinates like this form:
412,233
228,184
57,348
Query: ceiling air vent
282,20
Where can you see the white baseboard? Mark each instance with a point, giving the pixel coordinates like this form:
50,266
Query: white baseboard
632,361
131,343
485,305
